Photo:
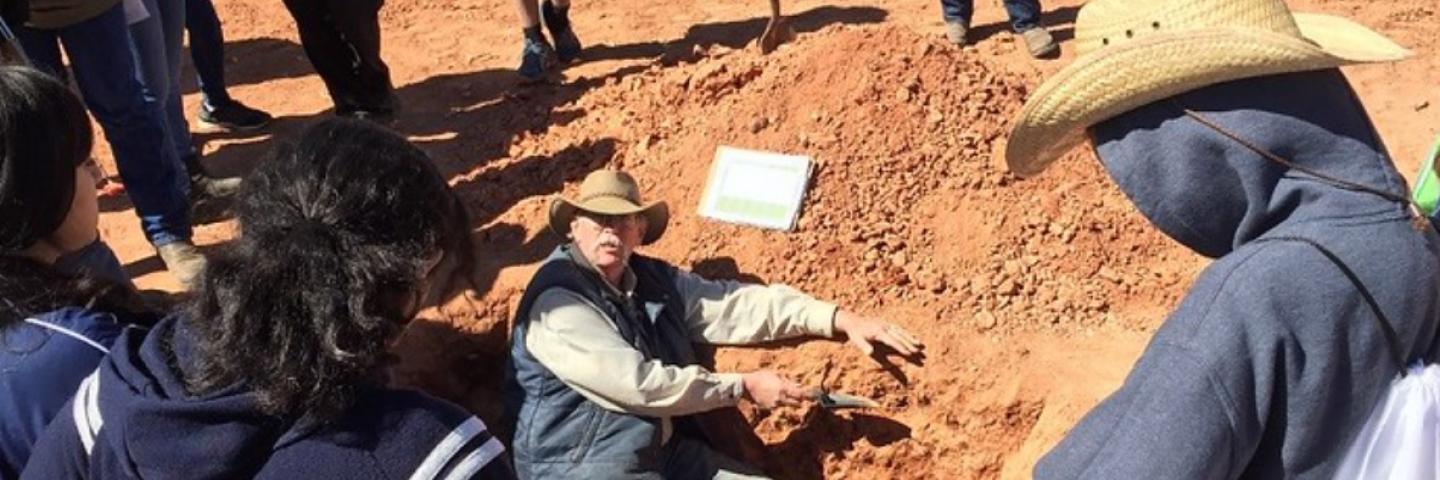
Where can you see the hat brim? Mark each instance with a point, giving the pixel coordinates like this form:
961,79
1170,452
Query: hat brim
1115,80
657,214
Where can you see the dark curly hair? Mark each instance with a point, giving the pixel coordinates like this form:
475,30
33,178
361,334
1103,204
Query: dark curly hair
336,233
44,135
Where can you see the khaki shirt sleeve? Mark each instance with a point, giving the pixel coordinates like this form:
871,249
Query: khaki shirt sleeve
725,312
573,339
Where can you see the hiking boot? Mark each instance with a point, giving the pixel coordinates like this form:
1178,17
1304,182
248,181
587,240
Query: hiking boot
956,32
1039,42
184,261
567,45
210,196
536,59
233,117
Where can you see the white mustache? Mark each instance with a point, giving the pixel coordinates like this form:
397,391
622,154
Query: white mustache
610,243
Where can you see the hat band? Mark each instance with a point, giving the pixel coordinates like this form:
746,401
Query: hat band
593,196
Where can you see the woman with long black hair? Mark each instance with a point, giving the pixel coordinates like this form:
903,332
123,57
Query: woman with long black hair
63,297
278,367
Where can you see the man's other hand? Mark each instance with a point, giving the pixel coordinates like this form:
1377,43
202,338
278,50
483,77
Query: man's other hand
769,390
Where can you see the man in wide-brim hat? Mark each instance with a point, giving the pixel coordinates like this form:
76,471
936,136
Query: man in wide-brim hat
604,380
1229,126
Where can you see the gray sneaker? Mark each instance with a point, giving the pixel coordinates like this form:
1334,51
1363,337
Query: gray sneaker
1039,42
956,32
184,261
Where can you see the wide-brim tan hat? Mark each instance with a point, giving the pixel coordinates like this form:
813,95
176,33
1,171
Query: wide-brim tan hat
1135,52
610,192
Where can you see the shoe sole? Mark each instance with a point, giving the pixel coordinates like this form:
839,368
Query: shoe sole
1047,51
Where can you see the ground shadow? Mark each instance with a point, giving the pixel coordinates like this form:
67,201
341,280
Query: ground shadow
734,34
724,268
1060,21
251,61
800,455
464,365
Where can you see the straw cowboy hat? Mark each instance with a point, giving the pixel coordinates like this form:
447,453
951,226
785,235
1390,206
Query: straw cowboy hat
1134,52
609,192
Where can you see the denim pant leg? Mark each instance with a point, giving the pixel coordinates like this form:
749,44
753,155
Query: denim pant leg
207,50
1024,14
99,51
689,458
157,49
957,10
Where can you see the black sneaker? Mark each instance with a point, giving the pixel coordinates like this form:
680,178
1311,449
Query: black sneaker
382,113
233,117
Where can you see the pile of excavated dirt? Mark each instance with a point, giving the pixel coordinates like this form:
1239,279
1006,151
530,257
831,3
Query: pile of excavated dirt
909,218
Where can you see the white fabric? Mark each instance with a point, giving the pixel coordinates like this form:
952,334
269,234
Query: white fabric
476,460
447,449
86,410
67,332
135,11
1401,440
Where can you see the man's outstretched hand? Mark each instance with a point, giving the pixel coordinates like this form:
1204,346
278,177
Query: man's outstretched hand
864,333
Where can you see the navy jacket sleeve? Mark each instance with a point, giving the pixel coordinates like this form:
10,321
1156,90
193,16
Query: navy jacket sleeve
58,455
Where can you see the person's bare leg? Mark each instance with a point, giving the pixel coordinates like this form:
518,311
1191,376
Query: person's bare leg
529,13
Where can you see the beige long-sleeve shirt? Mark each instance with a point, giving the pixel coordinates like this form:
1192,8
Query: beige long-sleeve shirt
583,348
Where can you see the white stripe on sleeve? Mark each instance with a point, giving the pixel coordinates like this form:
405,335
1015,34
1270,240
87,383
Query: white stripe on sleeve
81,411
67,332
476,460
447,448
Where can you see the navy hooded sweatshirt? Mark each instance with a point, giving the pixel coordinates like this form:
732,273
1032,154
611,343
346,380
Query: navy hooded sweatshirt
1273,360
134,419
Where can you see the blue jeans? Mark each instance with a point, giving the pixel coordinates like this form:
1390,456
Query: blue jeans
99,52
158,42
1024,14
207,51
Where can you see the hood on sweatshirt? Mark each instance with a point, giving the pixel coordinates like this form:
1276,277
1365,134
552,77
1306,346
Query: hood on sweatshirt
148,408
1213,194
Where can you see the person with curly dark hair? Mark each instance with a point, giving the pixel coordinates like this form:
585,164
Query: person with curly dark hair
63,298
278,367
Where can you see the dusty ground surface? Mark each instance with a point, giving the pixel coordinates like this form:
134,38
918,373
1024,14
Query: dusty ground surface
1034,296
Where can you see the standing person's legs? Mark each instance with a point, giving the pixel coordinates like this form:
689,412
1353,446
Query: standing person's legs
556,14
957,14
1025,19
328,52
207,52
536,56
99,52
152,51
1024,14
157,49
358,22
